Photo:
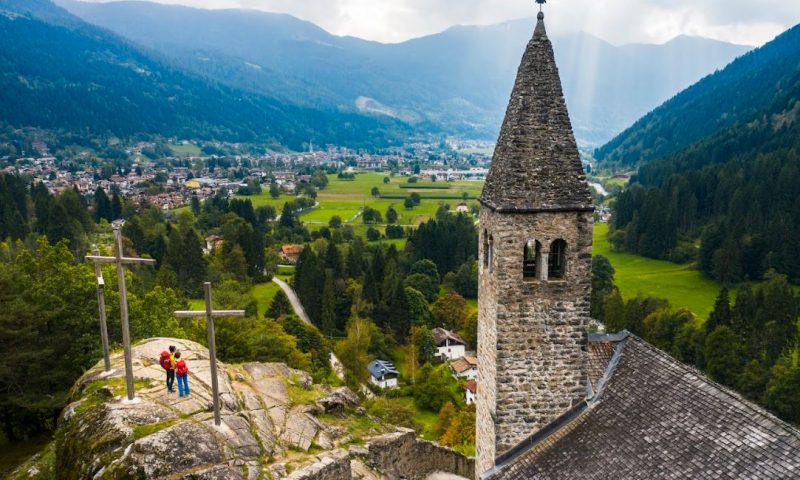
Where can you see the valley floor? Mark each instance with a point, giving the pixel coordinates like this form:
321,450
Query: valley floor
682,285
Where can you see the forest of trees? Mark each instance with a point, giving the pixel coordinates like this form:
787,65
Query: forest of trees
719,171
750,344
396,290
736,194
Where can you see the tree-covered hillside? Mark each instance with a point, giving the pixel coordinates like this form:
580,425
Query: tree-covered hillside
750,87
731,200
61,73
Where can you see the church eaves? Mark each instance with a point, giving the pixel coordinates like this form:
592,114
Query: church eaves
536,165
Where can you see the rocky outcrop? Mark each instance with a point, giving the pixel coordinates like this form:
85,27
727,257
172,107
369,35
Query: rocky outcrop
276,424
161,435
338,400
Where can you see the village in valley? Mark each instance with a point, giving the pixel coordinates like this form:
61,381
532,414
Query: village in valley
411,300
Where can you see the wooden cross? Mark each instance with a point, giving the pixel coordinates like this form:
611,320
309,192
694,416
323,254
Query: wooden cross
210,313
101,302
120,261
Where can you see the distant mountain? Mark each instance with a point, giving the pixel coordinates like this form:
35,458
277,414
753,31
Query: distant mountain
741,93
58,72
456,82
720,167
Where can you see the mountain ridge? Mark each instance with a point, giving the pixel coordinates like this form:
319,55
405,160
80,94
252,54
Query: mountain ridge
454,82
728,96
80,77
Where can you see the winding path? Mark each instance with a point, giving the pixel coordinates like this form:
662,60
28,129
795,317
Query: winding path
301,312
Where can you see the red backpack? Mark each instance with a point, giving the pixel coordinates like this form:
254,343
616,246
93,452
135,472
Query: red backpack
181,369
165,362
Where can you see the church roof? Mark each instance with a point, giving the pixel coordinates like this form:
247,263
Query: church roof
651,417
536,165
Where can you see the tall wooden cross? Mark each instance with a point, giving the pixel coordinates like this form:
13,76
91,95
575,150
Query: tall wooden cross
120,261
101,302
210,313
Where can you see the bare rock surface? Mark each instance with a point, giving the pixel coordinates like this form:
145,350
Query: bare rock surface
338,400
270,421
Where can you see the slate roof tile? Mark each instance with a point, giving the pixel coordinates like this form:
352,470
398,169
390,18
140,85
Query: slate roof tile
656,418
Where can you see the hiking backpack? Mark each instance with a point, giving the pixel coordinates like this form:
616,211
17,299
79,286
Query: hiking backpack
165,363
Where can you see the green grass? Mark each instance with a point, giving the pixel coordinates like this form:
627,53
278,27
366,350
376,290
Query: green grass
427,419
197,304
263,293
682,285
142,431
286,270
346,198
187,150
14,454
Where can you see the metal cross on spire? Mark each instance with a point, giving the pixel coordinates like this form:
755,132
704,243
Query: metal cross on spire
541,2
210,313
120,261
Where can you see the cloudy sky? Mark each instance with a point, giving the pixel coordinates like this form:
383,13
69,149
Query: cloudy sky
750,22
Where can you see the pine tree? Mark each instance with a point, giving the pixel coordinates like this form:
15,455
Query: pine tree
279,306
192,266
355,259
288,216
333,260
116,206
102,206
328,313
723,355
721,315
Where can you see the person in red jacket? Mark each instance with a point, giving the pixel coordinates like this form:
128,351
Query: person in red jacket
182,373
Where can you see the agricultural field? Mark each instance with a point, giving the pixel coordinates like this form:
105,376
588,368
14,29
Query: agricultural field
186,150
682,285
346,198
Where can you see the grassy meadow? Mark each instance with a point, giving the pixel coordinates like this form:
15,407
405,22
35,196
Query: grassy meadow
682,285
346,198
186,150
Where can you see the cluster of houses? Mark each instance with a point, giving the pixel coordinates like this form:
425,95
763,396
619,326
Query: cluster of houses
450,348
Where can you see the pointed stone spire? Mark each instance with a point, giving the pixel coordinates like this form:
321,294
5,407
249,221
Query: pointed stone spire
536,165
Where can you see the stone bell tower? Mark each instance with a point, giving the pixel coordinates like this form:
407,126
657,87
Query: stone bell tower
535,264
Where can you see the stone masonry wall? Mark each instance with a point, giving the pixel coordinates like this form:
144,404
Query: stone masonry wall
331,466
402,455
531,334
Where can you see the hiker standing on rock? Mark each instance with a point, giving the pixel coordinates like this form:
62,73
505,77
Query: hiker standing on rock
168,363
182,371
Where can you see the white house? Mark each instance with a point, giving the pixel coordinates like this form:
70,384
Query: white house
465,367
449,345
383,374
470,392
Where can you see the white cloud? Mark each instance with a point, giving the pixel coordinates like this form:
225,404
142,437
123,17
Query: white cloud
618,21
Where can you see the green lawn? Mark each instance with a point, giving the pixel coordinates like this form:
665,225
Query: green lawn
12,455
263,293
427,419
346,198
187,150
682,285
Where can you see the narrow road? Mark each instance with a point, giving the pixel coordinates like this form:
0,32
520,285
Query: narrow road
301,312
293,299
